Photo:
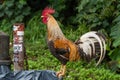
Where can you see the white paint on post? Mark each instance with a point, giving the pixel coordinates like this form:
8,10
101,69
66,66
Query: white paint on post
18,46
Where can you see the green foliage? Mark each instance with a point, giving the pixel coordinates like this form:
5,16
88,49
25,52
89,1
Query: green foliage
39,57
14,10
96,14
35,28
5,26
79,72
115,32
57,5
75,34
115,53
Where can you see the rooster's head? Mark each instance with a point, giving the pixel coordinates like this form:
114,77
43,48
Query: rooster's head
45,13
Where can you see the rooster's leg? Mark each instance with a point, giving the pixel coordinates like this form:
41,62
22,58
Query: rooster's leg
62,71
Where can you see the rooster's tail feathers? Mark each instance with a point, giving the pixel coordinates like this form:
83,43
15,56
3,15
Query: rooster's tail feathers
92,45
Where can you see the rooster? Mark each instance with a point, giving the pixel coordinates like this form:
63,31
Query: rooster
89,46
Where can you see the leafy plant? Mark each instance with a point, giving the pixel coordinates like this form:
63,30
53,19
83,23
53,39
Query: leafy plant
97,14
115,35
115,31
14,11
35,28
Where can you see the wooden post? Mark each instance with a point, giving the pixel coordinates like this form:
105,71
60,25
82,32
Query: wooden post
18,46
4,49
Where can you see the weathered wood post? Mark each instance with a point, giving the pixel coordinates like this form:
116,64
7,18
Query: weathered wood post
5,60
18,46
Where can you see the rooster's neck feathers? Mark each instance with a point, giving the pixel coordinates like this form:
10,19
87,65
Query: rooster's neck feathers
54,31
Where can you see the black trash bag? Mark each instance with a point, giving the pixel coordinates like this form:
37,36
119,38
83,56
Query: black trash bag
6,74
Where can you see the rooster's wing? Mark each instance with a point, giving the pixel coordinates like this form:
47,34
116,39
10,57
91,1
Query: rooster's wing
60,49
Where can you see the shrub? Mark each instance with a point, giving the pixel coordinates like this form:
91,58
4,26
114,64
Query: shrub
14,10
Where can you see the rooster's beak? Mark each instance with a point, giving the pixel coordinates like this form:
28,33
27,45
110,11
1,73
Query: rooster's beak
42,16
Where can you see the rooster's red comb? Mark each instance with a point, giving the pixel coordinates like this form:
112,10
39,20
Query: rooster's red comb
48,10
